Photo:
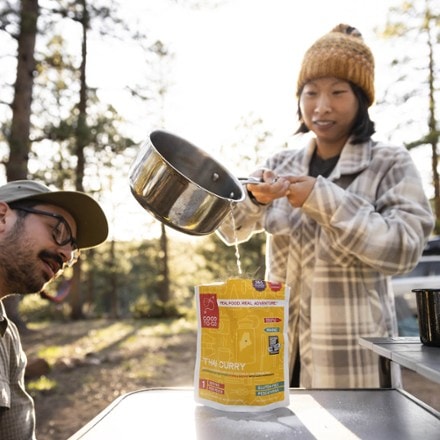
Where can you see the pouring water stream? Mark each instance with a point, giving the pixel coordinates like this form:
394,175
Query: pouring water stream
237,252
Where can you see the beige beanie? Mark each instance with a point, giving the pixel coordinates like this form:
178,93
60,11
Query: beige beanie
342,54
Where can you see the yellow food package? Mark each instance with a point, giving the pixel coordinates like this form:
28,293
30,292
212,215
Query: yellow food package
242,359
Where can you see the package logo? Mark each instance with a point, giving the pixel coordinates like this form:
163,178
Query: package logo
209,312
275,287
259,285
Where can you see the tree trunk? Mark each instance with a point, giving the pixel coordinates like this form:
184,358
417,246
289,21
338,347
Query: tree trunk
81,141
76,297
436,184
19,142
432,122
114,305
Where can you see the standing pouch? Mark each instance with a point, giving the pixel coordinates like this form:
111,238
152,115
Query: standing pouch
242,359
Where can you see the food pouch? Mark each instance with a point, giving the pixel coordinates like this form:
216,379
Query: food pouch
242,359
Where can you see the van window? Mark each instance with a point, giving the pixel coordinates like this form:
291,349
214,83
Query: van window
423,269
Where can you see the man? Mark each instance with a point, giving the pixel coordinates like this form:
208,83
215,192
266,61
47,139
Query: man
41,232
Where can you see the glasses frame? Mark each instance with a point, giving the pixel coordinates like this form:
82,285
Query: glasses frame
70,240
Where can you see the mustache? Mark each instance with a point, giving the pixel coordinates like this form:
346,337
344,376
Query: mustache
47,255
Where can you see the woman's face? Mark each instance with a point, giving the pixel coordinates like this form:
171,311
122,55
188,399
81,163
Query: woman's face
329,108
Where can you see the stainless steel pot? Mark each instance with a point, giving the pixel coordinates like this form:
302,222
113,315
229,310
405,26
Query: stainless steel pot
428,315
181,185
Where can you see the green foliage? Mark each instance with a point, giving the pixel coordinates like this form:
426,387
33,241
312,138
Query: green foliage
37,309
143,308
51,353
42,384
413,78
121,276
222,261
133,272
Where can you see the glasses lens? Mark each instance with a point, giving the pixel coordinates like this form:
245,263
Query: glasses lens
61,233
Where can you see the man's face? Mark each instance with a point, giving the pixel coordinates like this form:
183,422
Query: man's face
29,254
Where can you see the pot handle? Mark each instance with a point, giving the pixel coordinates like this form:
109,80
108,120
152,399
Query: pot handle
250,180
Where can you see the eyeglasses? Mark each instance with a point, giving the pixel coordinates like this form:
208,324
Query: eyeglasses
61,232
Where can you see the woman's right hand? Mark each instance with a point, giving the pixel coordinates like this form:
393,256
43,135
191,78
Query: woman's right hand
273,187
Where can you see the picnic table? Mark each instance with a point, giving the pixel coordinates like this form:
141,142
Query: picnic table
385,413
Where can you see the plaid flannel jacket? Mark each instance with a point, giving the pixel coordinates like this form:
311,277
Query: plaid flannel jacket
368,220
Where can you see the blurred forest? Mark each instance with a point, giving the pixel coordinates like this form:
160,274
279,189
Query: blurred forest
54,128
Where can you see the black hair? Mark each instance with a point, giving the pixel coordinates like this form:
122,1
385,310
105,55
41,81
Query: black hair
363,126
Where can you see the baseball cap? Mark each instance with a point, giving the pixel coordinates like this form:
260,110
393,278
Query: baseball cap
91,222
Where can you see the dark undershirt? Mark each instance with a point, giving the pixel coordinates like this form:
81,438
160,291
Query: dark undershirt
322,167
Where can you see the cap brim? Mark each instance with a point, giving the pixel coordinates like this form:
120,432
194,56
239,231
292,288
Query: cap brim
91,222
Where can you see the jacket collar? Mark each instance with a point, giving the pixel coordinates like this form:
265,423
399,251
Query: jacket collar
3,319
353,158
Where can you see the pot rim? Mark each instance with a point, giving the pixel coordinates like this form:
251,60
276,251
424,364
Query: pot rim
235,179
430,290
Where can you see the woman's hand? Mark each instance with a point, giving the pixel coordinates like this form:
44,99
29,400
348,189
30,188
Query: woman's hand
295,188
299,189
272,187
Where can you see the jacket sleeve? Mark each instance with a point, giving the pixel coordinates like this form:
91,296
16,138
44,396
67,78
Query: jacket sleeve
249,217
245,220
384,221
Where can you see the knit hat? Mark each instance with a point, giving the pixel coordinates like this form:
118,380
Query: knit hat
91,223
342,54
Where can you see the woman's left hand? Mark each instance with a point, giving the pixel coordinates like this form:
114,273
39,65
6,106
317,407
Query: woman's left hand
299,189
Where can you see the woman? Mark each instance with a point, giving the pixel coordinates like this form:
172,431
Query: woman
342,214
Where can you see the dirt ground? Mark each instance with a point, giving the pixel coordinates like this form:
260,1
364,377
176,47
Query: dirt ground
89,378
94,362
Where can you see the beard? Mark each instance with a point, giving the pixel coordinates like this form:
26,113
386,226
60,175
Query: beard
20,267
